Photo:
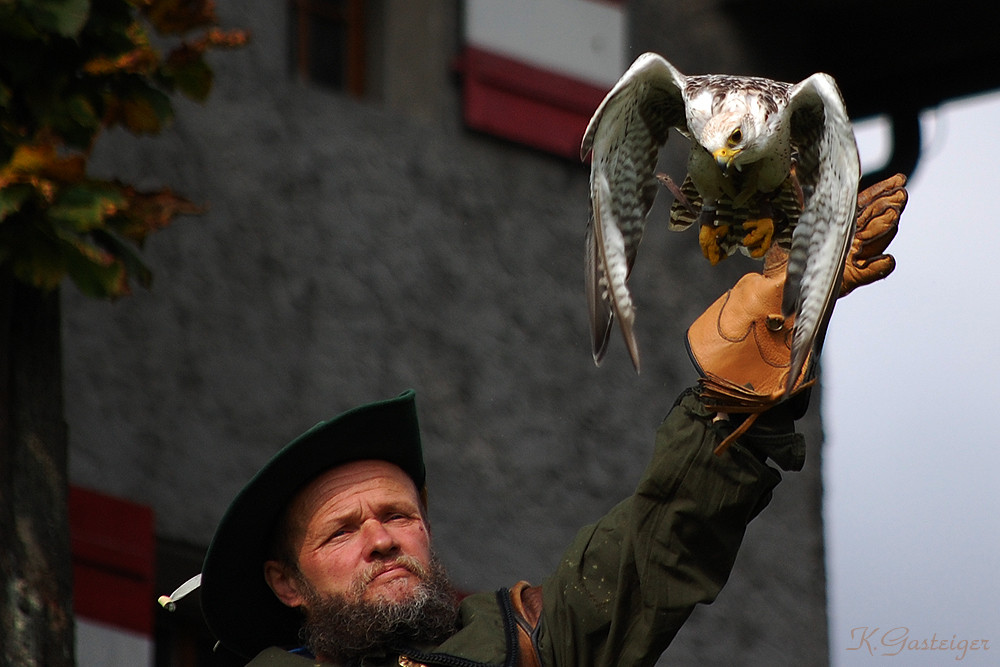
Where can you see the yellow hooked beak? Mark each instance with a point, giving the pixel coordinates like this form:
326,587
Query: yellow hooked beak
724,157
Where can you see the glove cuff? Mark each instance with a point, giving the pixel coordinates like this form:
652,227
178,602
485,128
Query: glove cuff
772,435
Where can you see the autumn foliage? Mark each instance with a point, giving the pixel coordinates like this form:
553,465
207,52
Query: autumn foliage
70,69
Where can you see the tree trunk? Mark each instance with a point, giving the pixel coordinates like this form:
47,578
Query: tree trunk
36,574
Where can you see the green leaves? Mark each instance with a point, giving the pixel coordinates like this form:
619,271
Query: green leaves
190,75
146,110
68,70
56,222
38,19
62,17
86,206
13,198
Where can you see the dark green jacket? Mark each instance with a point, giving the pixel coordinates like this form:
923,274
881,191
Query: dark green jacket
627,583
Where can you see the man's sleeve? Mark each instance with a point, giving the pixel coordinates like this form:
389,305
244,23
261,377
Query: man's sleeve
627,584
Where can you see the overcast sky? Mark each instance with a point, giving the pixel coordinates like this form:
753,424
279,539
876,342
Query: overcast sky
912,416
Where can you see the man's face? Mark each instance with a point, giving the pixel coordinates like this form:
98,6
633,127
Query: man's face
360,533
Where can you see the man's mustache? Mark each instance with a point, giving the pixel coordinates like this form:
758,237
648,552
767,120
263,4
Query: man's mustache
404,561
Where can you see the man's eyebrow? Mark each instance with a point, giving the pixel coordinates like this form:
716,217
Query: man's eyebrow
325,518
322,522
398,505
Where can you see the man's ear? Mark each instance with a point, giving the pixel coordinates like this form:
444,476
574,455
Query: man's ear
283,582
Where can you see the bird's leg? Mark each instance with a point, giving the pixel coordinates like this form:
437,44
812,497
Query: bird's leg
760,231
678,194
709,235
797,186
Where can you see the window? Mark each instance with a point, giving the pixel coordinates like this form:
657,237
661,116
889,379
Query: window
327,40
534,72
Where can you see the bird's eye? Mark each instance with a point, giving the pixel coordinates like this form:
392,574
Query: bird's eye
736,137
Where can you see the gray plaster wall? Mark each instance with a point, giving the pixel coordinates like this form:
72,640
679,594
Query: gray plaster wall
351,250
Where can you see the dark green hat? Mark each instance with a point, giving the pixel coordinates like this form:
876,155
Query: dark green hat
239,607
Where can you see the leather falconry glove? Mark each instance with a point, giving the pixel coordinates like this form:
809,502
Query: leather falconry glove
879,208
741,345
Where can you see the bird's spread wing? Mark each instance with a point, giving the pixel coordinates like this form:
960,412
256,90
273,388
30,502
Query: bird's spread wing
625,136
829,171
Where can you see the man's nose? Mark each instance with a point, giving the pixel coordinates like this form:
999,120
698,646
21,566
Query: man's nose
378,539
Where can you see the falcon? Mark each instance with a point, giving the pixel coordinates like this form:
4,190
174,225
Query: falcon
770,163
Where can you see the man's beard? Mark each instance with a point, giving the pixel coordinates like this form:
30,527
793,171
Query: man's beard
340,627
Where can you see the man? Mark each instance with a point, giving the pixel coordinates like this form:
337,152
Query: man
325,555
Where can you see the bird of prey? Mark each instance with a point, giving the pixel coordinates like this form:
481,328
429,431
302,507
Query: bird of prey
770,162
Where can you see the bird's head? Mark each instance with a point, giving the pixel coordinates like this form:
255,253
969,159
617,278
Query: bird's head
731,138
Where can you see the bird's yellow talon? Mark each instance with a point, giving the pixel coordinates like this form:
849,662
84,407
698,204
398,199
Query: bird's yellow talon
709,237
759,235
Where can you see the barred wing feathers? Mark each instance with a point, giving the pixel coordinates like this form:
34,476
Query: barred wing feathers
625,136
828,170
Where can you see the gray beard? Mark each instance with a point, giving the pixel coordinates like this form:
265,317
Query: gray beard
342,627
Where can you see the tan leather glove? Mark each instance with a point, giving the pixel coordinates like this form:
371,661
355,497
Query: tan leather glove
741,345
879,208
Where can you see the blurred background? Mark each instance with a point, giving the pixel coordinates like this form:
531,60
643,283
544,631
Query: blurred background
911,382
395,199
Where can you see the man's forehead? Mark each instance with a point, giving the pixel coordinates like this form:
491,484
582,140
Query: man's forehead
352,478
